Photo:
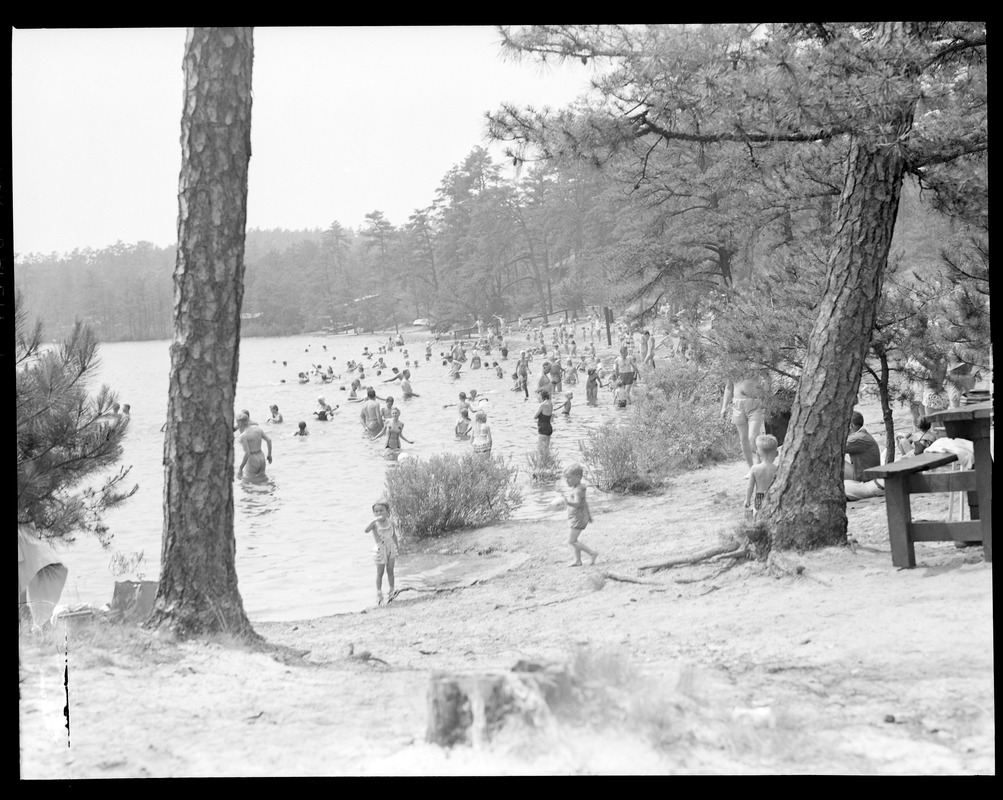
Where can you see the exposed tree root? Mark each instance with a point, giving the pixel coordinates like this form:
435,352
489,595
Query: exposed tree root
727,565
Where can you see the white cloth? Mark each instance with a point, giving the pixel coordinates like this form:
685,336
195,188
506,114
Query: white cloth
861,490
41,575
962,448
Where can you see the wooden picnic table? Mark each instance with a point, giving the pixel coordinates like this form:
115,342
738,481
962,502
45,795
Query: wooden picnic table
911,475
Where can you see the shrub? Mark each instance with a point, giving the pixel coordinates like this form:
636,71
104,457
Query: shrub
612,455
447,492
544,466
680,408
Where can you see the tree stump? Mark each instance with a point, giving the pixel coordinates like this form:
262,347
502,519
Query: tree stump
470,708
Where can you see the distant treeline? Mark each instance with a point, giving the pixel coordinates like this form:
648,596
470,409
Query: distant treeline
559,236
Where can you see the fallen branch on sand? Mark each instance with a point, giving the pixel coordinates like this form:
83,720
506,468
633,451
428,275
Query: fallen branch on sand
719,553
541,605
624,579
362,655
432,590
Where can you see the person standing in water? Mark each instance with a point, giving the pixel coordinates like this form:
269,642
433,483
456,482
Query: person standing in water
393,432
371,413
254,460
543,416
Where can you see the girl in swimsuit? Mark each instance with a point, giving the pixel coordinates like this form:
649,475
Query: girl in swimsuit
578,514
385,550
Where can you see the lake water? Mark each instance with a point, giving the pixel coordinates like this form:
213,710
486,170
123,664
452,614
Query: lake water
301,547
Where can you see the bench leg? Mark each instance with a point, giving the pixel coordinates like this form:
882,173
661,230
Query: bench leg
984,485
899,517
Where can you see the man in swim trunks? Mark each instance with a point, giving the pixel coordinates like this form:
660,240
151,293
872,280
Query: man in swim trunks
625,369
254,460
371,416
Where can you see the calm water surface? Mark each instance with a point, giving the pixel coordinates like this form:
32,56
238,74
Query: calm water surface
301,547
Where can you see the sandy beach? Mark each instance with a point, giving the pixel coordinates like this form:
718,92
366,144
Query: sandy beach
848,666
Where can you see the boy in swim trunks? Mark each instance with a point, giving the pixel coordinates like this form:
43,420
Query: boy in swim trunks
762,474
620,397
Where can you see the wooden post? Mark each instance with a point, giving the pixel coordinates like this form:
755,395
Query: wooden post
984,488
608,315
899,517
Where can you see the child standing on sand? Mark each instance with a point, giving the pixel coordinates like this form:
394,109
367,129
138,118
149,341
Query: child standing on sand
578,514
761,475
385,550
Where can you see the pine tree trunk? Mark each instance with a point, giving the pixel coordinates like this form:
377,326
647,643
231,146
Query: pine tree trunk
198,582
807,504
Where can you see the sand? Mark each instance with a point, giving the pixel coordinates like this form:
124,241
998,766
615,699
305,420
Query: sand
850,667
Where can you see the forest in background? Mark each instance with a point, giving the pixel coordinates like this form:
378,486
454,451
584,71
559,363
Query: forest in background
555,238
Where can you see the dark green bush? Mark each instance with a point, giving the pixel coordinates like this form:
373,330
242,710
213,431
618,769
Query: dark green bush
447,492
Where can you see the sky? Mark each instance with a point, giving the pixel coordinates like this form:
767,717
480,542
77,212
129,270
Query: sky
345,121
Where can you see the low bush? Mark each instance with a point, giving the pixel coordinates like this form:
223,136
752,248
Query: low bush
544,466
447,492
675,423
680,408
615,458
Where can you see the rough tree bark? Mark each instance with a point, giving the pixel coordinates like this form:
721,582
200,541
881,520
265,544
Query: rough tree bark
806,506
198,582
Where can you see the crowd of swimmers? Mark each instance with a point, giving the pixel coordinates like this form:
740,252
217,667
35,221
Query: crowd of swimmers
562,366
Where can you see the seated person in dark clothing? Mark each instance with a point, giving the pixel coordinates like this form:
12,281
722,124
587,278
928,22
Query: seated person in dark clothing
861,450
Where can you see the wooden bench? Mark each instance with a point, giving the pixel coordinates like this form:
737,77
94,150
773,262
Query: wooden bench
910,476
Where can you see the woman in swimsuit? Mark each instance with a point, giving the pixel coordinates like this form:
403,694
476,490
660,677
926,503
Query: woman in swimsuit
542,417
481,437
393,431
746,399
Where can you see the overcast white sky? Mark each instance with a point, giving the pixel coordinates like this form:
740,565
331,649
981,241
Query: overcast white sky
345,121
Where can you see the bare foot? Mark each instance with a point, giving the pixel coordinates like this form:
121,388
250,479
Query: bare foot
595,554
575,564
